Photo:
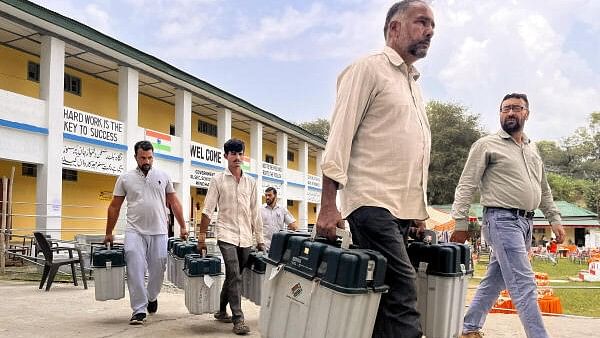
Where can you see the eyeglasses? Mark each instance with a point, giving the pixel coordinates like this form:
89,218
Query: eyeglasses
514,107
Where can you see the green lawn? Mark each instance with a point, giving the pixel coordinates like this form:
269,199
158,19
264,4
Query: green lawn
582,300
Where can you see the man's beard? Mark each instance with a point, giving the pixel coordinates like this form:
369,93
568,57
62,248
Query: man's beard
511,125
419,49
145,167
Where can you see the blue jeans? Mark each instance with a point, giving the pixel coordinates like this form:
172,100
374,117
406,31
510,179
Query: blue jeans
509,236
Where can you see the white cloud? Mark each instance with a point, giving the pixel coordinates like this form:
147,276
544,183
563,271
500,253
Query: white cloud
517,48
481,49
92,13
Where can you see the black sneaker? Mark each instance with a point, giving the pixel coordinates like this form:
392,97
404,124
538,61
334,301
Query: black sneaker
240,328
223,317
138,319
153,307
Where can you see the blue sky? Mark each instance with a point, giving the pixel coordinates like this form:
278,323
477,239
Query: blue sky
284,56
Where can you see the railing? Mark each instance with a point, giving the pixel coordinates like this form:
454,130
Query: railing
22,109
295,176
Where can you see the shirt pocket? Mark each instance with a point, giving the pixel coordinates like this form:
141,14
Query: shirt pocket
536,166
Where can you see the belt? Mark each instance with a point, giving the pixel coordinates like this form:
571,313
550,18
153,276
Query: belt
519,212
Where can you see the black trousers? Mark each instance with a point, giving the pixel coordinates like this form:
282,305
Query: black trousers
235,258
375,228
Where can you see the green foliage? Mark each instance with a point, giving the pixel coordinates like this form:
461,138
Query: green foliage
319,127
453,131
575,164
568,189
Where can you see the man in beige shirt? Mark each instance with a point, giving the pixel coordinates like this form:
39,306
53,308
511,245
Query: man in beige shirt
510,175
235,195
377,155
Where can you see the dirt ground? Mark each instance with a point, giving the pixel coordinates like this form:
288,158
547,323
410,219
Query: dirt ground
70,311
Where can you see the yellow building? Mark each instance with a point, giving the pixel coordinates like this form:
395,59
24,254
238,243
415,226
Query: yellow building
73,102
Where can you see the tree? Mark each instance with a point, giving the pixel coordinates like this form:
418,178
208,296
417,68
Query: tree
319,127
554,157
453,130
565,188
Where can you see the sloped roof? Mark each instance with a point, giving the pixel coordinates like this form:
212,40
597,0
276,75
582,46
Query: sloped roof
571,214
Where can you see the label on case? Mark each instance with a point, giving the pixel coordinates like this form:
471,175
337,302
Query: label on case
370,270
208,280
275,271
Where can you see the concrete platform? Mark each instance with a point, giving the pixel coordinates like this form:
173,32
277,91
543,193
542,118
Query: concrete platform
70,311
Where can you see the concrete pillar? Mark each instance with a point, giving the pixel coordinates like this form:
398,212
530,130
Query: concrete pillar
49,177
183,129
223,127
319,173
282,149
256,144
128,110
303,167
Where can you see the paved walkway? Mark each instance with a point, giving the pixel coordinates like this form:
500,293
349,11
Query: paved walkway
69,311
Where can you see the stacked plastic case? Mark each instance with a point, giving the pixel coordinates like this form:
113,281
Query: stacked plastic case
318,289
443,272
171,273
179,251
203,281
109,272
253,277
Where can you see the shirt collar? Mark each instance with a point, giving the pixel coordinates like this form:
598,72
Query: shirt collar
141,173
228,172
397,61
272,208
506,135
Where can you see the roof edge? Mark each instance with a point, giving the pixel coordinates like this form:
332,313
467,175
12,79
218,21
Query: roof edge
152,61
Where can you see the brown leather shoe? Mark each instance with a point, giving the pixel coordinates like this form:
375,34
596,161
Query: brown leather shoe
474,334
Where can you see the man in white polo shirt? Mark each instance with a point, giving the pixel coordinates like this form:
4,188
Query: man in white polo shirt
148,191
275,218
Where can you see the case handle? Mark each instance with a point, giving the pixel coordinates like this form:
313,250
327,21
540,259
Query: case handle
344,234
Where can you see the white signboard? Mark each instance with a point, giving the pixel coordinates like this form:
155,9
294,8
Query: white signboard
313,181
201,177
267,183
207,154
313,196
79,123
92,158
272,171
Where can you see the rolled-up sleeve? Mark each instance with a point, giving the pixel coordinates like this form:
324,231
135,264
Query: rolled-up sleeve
257,224
212,197
355,91
468,184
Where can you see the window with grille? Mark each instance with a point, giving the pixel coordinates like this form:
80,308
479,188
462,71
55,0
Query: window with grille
33,71
69,175
269,159
72,84
290,156
28,169
172,129
201,191
207,128
290,203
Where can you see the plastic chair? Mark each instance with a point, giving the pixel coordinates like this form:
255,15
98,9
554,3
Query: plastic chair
51,264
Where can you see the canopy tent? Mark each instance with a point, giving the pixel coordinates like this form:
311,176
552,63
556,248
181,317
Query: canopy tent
439,220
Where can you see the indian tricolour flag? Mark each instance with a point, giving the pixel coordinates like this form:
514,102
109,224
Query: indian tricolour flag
245,164
161,142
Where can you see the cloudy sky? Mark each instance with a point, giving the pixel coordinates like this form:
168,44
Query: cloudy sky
284,56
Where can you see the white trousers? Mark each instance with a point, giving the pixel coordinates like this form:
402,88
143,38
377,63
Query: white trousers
144,253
